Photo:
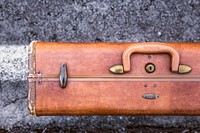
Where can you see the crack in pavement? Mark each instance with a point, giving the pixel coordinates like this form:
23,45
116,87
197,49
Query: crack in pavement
14,101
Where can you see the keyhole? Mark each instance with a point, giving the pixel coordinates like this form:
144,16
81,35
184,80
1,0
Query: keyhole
150,67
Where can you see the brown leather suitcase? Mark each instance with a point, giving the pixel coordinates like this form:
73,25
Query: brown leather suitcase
114,78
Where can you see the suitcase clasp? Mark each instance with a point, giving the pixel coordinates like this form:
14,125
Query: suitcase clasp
63,76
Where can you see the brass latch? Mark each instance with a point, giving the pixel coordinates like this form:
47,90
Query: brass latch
63,76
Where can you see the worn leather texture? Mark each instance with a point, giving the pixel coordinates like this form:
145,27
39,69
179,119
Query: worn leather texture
116,97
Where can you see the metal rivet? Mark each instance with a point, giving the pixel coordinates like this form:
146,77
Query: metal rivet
149,57
154,85
39,82
39,78
145,85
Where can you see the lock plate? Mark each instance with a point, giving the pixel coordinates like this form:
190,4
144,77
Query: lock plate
150,67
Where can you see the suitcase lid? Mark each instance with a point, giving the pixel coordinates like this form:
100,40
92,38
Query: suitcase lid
64,62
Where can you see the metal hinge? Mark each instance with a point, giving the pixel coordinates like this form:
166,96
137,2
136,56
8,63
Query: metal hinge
37,77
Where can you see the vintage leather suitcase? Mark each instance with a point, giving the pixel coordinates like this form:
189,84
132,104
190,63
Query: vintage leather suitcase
114,78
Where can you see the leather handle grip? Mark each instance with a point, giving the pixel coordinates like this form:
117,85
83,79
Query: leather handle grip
153,48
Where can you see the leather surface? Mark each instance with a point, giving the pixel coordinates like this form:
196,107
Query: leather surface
124,98
114,98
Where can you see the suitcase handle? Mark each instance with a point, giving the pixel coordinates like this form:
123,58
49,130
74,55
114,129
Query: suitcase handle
144,48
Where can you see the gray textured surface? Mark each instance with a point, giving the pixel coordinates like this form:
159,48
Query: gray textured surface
22,21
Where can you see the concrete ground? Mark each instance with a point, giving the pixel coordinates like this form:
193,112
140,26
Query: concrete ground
22,21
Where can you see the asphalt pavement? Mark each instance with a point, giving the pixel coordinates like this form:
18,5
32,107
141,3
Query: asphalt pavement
22,21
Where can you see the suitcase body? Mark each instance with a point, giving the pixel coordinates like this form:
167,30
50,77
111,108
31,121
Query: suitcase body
114,78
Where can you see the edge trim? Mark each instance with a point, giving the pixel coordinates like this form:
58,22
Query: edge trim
31,84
